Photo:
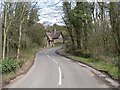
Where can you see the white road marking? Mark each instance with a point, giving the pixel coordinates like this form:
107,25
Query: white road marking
90,73
60,76
48,56
82,64
55,61
68,59
86,69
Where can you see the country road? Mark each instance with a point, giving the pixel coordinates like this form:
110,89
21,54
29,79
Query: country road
53,71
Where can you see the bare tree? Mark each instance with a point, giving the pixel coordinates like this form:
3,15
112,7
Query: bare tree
22,18
8,18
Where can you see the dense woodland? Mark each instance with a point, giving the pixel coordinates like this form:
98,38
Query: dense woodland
21,33
20,28
92,30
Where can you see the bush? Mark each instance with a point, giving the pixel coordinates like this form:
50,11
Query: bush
9,65
82,54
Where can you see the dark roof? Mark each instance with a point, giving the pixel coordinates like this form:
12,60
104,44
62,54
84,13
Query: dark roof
56,35
52,35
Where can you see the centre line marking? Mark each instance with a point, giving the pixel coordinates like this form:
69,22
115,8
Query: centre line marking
60,76
48,56
55,61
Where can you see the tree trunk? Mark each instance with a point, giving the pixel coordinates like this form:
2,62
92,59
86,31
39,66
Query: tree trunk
7,49
0,37
4,32
20,31
71,37
5,29
85,35
19,40
115,20
78,37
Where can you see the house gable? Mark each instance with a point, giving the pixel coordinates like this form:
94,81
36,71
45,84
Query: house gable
54,37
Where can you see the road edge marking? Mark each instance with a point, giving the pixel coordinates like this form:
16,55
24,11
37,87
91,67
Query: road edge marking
53,59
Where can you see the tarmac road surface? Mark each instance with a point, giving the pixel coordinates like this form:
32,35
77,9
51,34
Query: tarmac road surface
53,71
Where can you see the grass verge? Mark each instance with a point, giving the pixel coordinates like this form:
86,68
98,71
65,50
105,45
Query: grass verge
112,69
107,67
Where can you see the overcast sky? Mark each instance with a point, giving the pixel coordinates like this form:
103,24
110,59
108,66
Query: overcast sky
51,12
